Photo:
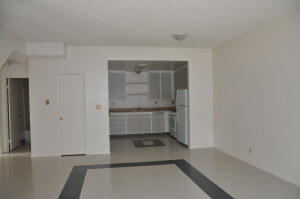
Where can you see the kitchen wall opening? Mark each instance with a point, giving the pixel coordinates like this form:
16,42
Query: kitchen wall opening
149,100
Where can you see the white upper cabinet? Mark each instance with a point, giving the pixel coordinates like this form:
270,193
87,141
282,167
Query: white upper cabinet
154,86
116,83
160,85
166,85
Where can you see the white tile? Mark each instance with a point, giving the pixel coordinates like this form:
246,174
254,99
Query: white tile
151,182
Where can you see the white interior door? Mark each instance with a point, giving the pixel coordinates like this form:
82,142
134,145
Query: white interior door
15,113
71,109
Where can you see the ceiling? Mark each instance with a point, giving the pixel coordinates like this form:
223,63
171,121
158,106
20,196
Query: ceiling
151,65
209,23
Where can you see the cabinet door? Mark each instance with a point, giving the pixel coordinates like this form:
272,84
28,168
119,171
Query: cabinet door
158,125
116,84
158,122
145,125
133,123
166,85
117,124
154,86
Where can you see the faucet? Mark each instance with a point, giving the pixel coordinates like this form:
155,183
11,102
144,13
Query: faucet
136,109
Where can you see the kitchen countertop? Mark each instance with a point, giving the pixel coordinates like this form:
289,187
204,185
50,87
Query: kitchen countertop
152,109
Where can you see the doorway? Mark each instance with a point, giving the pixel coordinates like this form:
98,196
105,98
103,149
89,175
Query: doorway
18,113
142,102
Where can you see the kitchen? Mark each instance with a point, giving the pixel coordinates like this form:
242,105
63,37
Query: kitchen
149,98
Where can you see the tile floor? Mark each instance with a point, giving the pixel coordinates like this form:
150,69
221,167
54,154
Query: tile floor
163,181
24,177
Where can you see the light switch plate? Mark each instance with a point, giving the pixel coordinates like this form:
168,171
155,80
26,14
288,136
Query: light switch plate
98,107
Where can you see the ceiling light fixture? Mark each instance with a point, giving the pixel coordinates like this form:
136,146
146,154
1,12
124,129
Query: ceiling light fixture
139,68
179,37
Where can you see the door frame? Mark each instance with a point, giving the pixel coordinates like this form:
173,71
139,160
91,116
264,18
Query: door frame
4,105
84,107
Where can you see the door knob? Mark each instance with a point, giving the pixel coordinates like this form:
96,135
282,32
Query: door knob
61,118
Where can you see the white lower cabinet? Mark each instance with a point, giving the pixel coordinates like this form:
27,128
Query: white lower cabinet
138,123
145,125
158,122
117,124
133,125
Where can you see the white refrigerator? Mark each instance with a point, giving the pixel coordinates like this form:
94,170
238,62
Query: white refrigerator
182,110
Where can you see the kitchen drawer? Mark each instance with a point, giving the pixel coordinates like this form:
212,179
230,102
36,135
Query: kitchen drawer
139,115
158,114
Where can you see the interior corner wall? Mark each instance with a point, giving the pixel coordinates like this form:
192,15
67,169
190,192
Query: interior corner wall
92,61
257,97
9,42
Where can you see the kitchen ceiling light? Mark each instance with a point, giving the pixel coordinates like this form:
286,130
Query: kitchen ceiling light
179,37
139,68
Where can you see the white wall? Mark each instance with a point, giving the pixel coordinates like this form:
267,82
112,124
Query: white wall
133,101
9,42
180,79
8,71
257,97
92,61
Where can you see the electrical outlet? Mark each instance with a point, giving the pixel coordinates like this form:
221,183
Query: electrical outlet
250,150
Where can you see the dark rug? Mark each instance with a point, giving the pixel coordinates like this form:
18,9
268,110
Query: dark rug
147,143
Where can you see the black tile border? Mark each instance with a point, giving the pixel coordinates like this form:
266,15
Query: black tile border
73,186
155,141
